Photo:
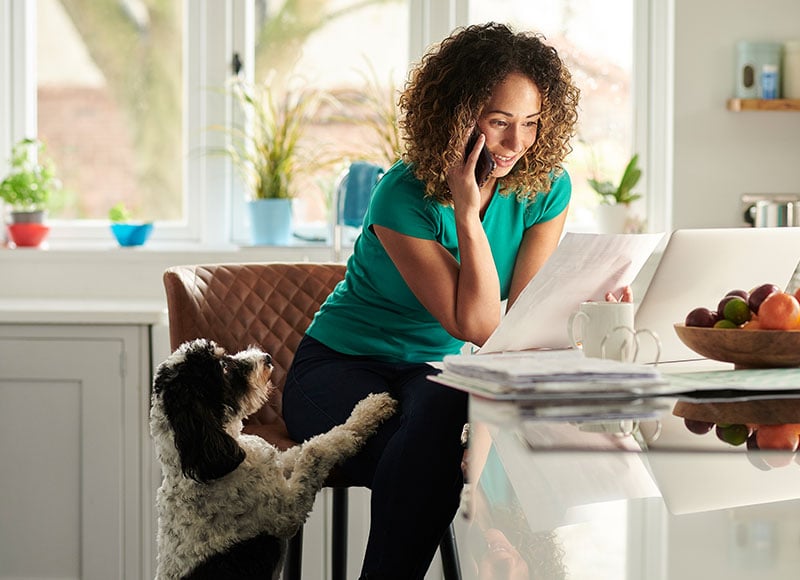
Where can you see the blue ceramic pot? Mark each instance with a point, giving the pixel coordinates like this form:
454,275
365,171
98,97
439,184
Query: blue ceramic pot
270,221
131,234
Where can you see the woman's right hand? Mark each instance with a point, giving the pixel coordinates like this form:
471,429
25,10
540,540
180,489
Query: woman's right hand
461,180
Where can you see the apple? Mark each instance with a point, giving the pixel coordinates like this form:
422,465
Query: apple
758,294
701,316
740,293
698,427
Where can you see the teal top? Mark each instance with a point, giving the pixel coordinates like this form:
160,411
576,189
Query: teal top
373,311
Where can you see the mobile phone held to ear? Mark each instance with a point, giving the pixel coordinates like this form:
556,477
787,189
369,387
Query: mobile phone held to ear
485,164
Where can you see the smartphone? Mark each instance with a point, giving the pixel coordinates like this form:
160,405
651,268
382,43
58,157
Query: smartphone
485,165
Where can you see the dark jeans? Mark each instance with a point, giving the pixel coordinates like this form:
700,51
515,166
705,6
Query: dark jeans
412,464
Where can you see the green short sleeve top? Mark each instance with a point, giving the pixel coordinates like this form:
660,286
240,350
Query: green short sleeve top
373,312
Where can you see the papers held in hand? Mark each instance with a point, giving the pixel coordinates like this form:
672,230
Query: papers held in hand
546,372
583,267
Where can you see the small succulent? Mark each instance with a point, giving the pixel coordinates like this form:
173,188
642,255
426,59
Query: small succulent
119,213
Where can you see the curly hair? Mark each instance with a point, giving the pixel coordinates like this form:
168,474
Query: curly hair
448,89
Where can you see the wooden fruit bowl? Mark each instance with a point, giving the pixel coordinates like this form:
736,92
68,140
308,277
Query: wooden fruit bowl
744,348
758,411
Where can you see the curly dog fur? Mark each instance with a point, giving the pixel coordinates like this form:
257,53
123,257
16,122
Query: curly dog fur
228,501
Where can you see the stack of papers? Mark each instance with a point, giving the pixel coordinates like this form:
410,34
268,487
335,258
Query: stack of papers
547,373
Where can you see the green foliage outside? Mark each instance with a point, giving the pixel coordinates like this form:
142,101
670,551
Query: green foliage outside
375,109
141,61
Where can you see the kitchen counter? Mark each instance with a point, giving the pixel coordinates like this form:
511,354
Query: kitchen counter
76,311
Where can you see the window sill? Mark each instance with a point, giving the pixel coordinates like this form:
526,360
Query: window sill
67,270
160,249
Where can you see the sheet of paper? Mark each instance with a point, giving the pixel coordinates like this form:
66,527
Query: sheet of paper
583,267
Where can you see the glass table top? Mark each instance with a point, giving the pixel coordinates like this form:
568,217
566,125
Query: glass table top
638,488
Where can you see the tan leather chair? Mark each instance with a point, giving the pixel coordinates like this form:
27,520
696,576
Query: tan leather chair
269,305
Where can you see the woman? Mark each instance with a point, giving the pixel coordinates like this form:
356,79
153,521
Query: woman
437,256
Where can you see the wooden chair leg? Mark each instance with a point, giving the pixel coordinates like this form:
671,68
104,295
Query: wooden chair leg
339,534
292,568
449,553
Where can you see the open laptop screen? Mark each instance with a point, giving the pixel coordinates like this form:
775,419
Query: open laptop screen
699,266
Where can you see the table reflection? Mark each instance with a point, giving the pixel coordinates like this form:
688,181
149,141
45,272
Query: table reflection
614,489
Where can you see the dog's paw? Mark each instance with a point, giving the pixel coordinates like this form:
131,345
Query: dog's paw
370,412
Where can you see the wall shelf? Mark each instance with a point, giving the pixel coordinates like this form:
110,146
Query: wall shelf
764,105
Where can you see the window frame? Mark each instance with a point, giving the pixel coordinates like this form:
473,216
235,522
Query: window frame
214,31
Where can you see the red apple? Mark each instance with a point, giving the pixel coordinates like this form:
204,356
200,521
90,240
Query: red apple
740,293
701,317
758,294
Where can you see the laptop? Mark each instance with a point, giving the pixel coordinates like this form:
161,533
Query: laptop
699,266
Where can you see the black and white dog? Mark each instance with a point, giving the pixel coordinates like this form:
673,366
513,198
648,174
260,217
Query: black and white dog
229,501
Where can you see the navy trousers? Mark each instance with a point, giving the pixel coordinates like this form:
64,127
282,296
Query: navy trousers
412,464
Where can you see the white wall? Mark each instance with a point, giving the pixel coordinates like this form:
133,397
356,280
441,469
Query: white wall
719,154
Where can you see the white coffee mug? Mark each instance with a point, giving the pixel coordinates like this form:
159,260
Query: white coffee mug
595,329
614,344
605,330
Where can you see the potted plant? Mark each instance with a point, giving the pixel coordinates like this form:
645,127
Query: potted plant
27,190
268,153
127,231
615,200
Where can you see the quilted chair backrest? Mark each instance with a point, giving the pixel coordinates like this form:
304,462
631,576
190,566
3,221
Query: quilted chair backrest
268,305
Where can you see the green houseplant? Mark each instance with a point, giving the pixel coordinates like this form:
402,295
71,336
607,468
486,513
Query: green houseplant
613,214
27,190
622,193
29,185
267,150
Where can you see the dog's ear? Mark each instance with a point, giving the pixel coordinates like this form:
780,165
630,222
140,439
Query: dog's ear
192,396
207,452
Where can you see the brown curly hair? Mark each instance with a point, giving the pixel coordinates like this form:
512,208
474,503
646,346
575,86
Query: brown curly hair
449,87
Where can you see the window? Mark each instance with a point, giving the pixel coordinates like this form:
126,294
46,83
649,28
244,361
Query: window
361,72
110,106
138,130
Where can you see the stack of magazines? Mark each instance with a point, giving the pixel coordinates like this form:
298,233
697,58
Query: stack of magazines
547,374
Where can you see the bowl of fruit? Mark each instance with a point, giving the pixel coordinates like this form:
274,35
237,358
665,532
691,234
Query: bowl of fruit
759,328
761,425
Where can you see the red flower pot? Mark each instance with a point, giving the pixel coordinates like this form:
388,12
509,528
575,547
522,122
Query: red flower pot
27,235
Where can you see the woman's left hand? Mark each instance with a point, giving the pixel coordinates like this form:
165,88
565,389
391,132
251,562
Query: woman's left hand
625,296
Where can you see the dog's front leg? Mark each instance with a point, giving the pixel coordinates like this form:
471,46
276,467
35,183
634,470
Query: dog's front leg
308,465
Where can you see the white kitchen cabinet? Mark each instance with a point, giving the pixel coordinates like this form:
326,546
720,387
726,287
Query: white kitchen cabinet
76,468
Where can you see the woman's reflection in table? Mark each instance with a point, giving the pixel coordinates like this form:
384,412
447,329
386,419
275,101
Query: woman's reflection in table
500,544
